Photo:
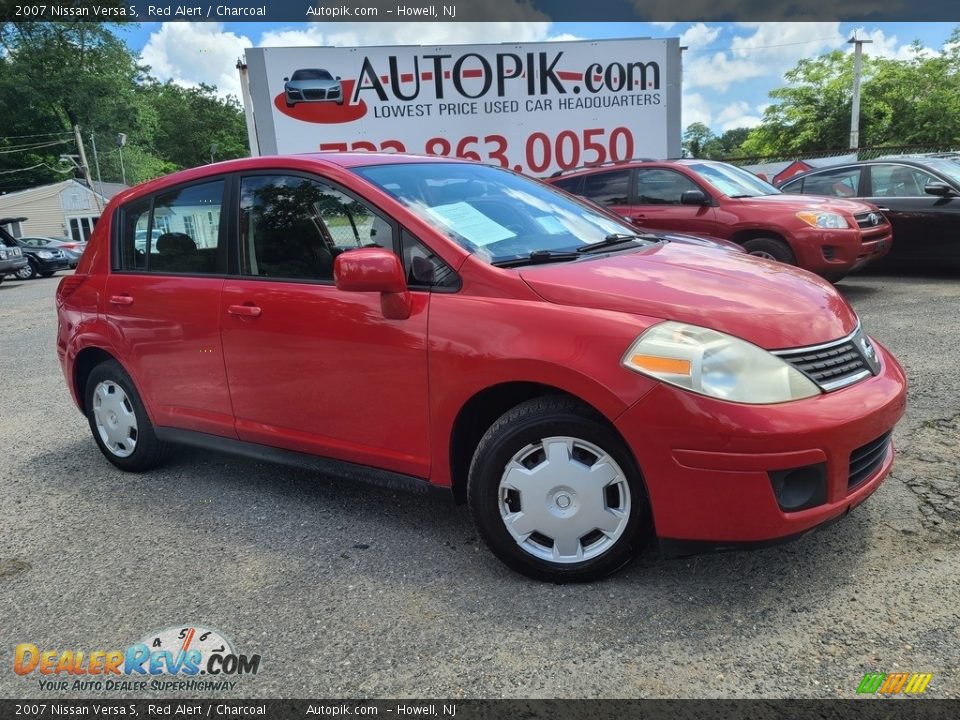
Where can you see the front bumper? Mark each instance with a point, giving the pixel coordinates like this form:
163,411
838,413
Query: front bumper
706,462
51,264
11,265
837,252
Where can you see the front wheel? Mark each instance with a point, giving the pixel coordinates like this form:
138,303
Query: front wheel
770,249
556,494
119,421
27,272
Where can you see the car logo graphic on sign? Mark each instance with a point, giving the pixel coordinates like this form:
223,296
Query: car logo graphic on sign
874,219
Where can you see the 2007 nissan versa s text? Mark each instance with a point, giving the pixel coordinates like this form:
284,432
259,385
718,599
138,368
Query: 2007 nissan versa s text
445,324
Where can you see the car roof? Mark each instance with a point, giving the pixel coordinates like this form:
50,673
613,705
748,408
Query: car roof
913,161
303,161
626,165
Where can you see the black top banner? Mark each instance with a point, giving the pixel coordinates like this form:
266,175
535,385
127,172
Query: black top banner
481,10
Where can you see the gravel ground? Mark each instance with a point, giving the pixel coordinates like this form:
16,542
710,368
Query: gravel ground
350,590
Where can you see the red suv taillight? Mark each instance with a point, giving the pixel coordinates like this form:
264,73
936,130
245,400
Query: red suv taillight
69,285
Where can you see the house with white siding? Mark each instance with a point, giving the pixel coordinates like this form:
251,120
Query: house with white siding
68,208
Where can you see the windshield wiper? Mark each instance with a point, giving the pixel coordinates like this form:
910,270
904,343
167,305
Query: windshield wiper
615,239
537,257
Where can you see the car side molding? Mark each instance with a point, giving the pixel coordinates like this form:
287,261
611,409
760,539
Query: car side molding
340,469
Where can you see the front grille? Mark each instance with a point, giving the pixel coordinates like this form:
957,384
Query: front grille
315,94
866,460
869,219
831,366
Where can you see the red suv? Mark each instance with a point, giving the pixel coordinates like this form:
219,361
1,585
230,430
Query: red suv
828,236
443,324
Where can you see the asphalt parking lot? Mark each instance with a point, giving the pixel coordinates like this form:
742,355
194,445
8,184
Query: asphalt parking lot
355,591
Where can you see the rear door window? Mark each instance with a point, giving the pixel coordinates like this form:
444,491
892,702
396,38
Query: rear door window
843,182
176,231
607,188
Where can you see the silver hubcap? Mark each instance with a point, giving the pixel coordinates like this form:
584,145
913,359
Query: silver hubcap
764,254
115,419
564,500
25,272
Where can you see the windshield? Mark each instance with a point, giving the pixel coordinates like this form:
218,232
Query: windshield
496,214
311,75
732,181
950,169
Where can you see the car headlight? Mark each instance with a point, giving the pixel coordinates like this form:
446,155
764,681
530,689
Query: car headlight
715,364
825,220
44,255
3,253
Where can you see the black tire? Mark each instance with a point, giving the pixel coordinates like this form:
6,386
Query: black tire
47,274
771,248
148,451
27,272
530,423
289,104
834,277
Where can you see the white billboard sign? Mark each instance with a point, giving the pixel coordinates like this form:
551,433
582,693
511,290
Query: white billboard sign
533,107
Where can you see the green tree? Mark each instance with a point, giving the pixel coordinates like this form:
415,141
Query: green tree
903,101
190,120
695,139
84,74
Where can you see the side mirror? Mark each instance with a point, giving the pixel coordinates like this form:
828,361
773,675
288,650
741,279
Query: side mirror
286,79
338,77
693,197
375,270
940,189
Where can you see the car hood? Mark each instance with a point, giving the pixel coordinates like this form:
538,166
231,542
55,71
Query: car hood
797,203
769,304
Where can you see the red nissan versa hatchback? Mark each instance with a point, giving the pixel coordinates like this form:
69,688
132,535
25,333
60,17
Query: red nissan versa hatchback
445,324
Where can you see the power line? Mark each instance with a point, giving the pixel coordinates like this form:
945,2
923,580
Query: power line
17,137
36,146
33,167
725,48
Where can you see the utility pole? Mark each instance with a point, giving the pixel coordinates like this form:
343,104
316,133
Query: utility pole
96,160
83,164
121,141
855,110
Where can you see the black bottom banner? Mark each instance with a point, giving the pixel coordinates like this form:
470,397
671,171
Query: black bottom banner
864,709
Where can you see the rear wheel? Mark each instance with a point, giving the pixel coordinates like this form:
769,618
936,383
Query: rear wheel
119,421
556,494
770,249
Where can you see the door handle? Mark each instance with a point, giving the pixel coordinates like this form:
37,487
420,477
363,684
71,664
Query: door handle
638,217
244,310
121,300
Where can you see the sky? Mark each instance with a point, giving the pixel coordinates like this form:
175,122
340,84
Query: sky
728,71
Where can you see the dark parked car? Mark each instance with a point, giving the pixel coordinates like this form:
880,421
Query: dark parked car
41,261
73,249
11,260
920,197
312,85
824,235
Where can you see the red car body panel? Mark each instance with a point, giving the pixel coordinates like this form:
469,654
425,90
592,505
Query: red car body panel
323,371
825,252
706,461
